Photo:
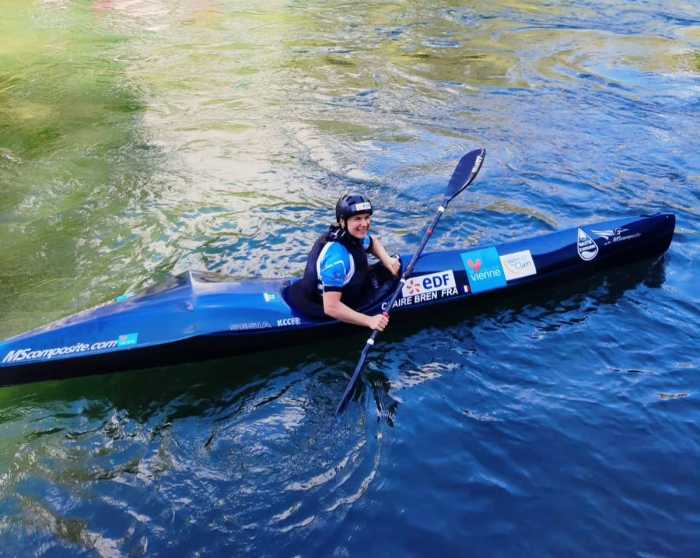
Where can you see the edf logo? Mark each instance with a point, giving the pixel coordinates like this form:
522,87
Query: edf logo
436,281
429,282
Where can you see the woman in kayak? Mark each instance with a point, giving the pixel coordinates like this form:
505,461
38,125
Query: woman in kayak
337,279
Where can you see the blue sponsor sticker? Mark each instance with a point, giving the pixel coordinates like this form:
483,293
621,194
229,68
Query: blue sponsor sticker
127,339
484,269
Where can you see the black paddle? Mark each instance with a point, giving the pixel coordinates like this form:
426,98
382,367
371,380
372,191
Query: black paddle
465,173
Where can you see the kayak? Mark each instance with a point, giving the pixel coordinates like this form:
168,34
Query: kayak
199,315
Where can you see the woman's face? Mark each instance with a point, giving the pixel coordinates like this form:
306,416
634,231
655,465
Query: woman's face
358,225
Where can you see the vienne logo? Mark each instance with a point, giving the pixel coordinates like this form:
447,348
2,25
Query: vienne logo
484,269
586,246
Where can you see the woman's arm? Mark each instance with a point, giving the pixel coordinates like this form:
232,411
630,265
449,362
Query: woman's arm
334,307
392,264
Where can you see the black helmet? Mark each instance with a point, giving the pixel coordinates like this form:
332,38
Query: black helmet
352,204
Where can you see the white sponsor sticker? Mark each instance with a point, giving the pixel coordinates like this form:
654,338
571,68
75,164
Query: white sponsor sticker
430,282
362,206
518,264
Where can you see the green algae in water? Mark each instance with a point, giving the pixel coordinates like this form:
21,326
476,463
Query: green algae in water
58,77
71,157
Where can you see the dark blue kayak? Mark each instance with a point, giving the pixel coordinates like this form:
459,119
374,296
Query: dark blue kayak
196,316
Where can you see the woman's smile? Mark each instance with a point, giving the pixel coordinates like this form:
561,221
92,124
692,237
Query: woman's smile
358,225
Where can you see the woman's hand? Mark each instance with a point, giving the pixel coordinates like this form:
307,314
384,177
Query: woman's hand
334,308
393,265
378,322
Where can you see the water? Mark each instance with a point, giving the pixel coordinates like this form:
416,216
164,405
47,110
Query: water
139,139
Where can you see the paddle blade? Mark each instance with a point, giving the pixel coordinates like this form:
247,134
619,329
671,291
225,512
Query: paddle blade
466,172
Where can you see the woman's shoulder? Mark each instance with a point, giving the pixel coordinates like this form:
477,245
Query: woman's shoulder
334,250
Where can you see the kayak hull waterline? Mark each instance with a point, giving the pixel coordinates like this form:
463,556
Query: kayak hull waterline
196,316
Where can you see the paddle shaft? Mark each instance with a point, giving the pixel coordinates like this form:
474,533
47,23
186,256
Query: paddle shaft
463,175
397,291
